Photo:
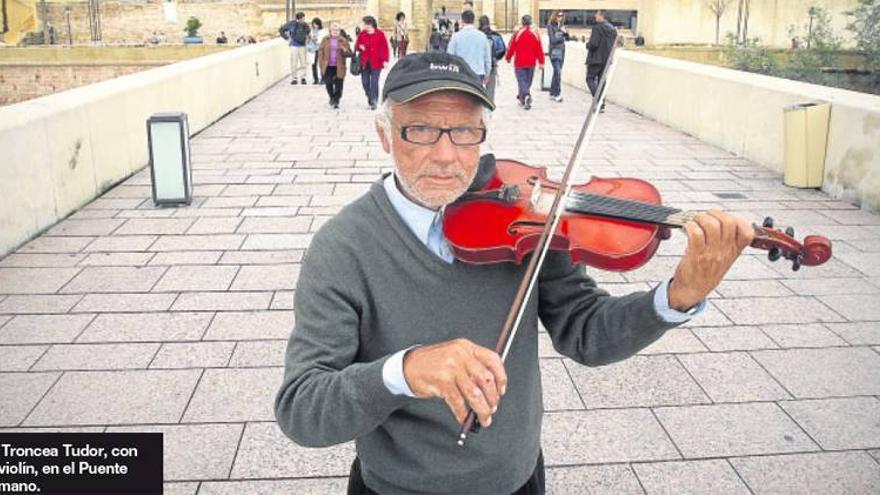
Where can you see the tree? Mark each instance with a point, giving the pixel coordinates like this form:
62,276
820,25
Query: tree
742,21
717,7
866,27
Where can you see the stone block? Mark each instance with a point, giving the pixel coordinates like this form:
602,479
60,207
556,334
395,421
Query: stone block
611,479
257,353
20,392
116,397
604,436
690,477
96,357
732,377
827,472
196,278
251,325
34,280
839,424
243,394
266,453
843,371
94,279
266,277
43,329
640,381
732,430
193,452
222,301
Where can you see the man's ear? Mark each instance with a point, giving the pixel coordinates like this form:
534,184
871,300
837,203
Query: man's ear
384,138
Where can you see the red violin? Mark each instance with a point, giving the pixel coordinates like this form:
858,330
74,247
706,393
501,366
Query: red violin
513,209
613,224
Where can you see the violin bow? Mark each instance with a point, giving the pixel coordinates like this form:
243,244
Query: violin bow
526,286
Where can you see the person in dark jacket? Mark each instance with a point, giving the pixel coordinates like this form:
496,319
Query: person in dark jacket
599,48
557,35
486,28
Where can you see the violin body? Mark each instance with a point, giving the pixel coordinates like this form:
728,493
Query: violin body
489,230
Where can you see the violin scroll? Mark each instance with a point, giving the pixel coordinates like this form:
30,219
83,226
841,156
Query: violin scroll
815,249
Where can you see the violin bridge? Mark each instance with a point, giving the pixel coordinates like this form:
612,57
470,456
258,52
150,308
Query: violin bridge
536,194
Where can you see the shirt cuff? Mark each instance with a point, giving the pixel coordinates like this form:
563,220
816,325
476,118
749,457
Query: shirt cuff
661,305
392,374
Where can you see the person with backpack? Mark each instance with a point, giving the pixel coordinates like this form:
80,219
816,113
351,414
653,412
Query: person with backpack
557,35
526,48
372,45
496,42
298,34
471,45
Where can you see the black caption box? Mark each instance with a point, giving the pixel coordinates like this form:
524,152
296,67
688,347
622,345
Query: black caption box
81,463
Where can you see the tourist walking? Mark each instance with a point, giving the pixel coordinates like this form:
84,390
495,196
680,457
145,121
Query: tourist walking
316,36
498,50
599,47
526,49
298,34
373,47
401,34
473,46
331,59
557,35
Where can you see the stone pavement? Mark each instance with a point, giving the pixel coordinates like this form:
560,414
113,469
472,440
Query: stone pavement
125,317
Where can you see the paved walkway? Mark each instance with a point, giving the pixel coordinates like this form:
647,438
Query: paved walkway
125,317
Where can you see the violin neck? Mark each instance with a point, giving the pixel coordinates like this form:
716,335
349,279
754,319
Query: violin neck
627,209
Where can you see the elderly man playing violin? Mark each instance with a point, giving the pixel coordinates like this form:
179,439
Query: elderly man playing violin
393,341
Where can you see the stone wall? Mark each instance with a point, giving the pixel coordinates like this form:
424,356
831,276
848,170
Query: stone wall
20,82
62,151
135,20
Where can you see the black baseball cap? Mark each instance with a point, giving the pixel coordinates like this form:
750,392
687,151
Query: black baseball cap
419,74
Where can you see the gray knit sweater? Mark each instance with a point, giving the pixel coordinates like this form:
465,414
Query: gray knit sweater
368,288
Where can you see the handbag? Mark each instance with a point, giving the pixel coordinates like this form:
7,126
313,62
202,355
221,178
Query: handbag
355,68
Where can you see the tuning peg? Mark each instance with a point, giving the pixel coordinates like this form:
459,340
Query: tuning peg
768,222
796,263
789,231
774,253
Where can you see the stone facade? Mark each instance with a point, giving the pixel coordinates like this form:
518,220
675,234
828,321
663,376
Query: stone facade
20,82
134,21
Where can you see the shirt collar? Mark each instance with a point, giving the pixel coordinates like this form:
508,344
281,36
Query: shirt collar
418,218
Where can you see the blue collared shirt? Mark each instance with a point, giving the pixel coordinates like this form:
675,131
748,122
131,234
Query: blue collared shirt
427,227
474,47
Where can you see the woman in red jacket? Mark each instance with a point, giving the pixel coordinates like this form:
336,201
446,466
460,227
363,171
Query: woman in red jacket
373,46
525,45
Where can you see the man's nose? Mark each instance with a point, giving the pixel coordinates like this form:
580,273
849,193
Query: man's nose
444,150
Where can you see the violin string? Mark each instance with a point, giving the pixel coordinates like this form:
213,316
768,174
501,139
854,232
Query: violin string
623,205
622,208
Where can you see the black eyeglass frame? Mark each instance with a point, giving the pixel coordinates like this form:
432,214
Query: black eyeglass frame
443,130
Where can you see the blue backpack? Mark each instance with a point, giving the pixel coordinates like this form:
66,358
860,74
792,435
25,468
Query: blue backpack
498,46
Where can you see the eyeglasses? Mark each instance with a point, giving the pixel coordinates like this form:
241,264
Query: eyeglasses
460,136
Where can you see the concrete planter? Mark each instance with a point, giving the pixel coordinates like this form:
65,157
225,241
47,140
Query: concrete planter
192,40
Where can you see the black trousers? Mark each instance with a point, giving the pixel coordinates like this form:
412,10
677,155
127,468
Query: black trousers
594,75
333,84
533,486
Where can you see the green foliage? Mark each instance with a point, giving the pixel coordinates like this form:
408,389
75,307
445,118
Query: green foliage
865,25
749,56
192,26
